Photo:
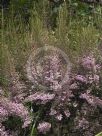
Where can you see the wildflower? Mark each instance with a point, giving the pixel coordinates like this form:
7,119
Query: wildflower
74,86
18,109
98,67
83,123
3,132
53,112
96,78
59,117
27,121
88,62
88,98
81,78
43,98
44,127
3,113
90,78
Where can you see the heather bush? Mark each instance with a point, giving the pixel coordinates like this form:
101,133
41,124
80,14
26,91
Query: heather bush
70,109
75,108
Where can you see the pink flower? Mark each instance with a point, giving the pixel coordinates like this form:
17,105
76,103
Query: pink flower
88,62
88,98
3,112
74,86
53,112
18,109
81,78
44,127
96,78
43,98
59,117
3,132
98,67
83,123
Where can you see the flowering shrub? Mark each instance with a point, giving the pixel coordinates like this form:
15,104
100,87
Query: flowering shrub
9,108
71,109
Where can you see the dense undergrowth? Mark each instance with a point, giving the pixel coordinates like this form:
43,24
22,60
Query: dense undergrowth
74,109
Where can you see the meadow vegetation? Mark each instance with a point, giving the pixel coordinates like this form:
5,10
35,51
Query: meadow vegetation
74,27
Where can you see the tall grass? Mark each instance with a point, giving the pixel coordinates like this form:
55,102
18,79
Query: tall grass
72,33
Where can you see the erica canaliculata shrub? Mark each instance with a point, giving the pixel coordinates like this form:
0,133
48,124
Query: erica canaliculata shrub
73,108
8,108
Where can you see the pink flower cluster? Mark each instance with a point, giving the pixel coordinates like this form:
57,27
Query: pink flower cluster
59,102
10,108
88,62
92,100
63,98
40,98
44,127
3,132
81,78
